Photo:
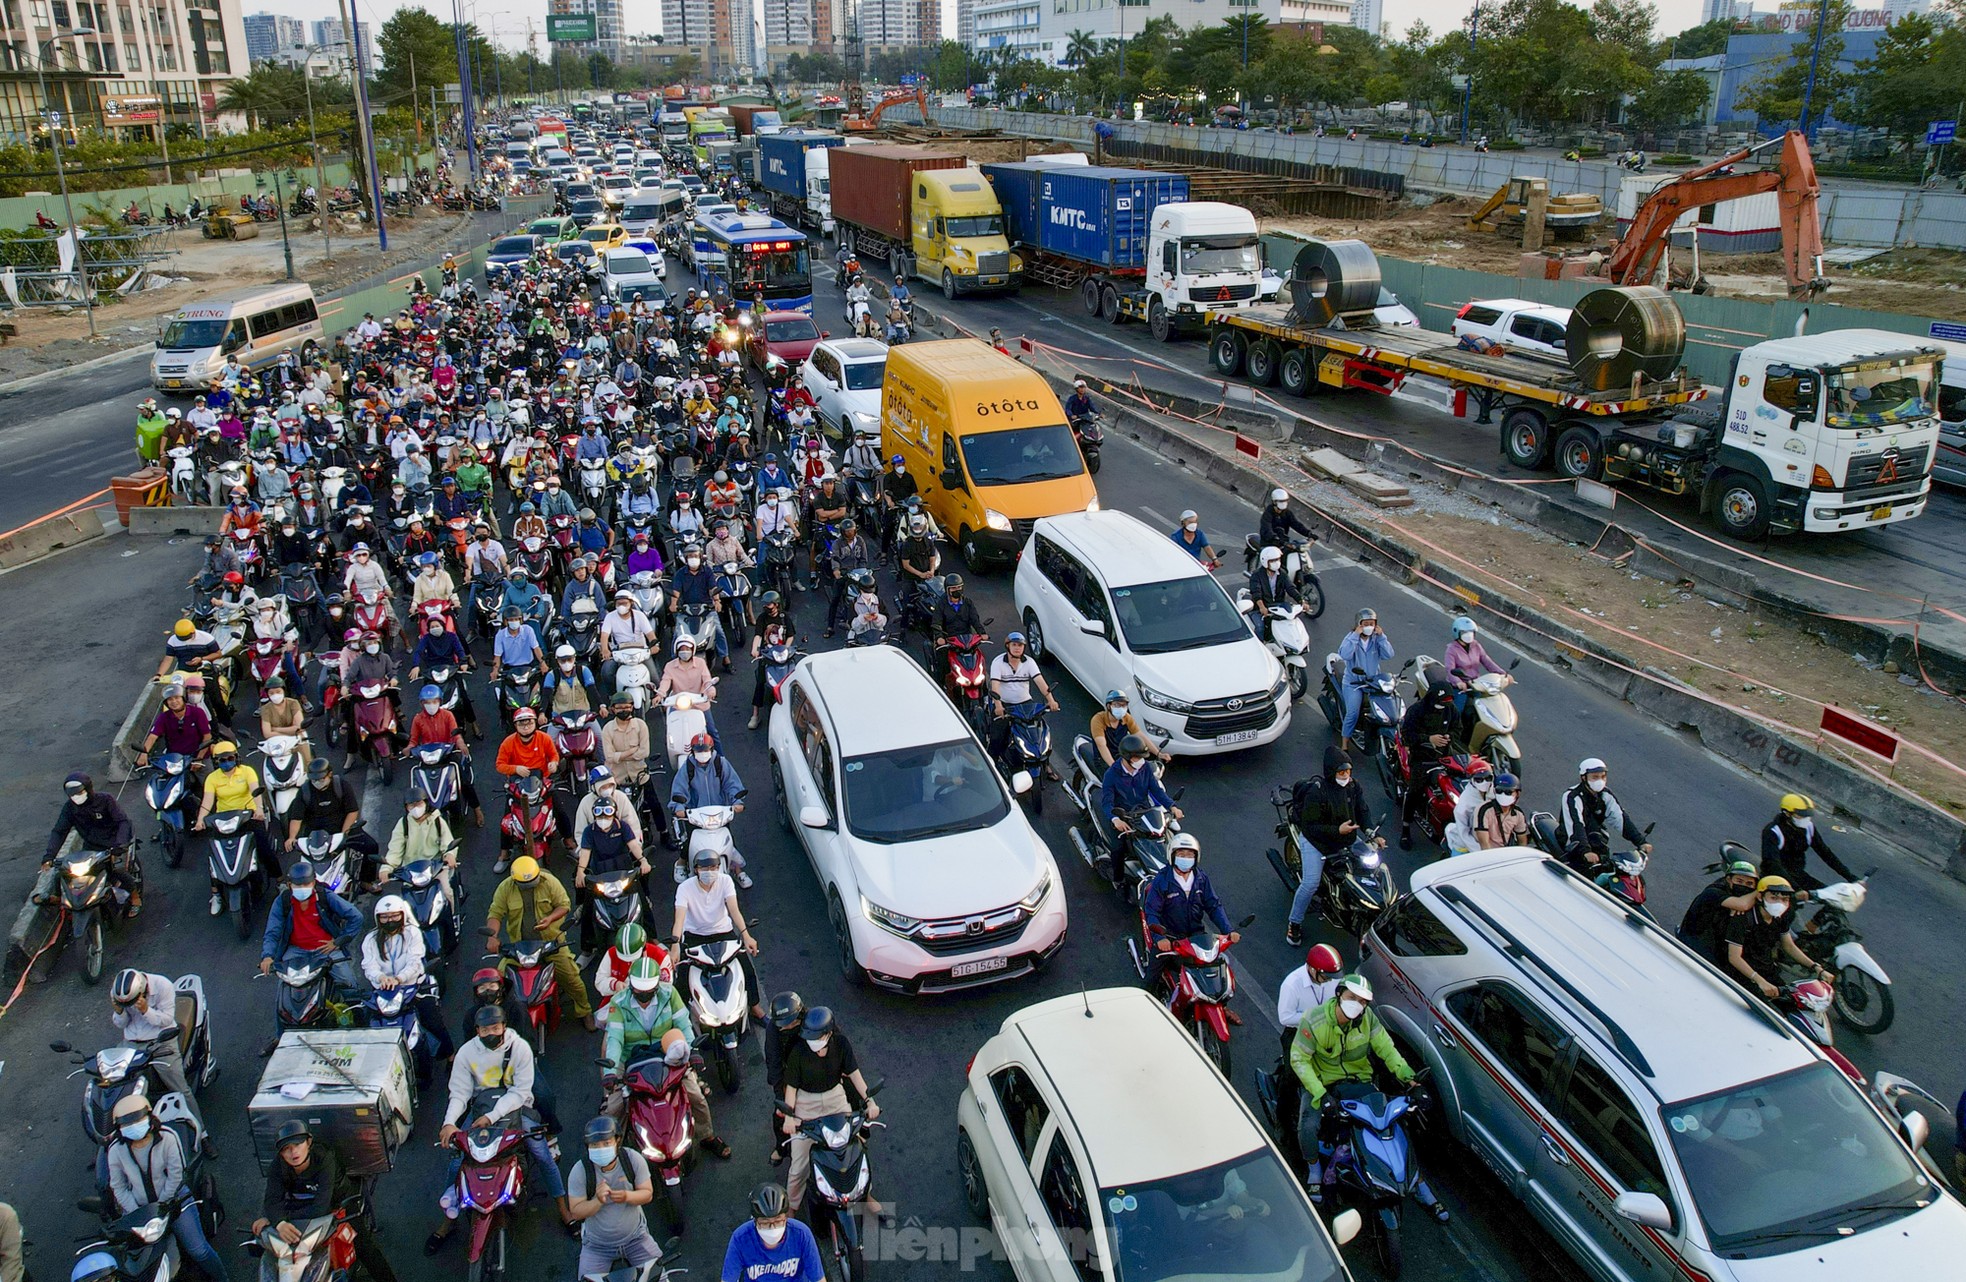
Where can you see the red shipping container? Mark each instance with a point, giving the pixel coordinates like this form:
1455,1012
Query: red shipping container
871,188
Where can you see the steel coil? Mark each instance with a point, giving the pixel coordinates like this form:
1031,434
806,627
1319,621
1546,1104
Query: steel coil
1332,278
1624,330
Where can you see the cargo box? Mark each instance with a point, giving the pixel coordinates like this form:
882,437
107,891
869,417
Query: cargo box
871,185
352,1086
1089,213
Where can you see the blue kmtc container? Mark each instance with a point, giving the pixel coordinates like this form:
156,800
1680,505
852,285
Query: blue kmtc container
1088,213
782,160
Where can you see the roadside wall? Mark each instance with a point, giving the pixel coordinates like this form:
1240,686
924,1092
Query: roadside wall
19,211
1853,214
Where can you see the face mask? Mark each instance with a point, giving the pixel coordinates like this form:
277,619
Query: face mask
430,706
692,561
707,876
1595,785
703,758
1775,907
303,893
228,764
818,1045
1191,526
1505,799
1366,629
566,665
390,927
491,1041
1184,863
1343,781
419,811
513,628
1808,826
134,1131
277,697
1351,1007
372,648
772,1236
601,1156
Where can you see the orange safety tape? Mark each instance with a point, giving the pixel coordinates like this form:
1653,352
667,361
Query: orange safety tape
85,500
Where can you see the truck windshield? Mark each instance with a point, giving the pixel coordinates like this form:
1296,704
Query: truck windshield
1022,454
1203,254
183,335
1860,397
978,225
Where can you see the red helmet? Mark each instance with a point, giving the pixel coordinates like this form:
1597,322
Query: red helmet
487,975
1324,959
702,743
233,579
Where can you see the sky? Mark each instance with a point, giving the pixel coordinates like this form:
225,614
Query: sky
507,18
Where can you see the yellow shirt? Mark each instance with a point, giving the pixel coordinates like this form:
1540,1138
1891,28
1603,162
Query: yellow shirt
232,789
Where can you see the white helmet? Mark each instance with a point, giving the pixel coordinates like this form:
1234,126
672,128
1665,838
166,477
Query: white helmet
1591,766
392,904
1270,557
566,652
1279,495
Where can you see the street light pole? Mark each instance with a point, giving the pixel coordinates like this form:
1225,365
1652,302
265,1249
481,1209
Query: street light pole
286,245
320,173
1467,87
53,119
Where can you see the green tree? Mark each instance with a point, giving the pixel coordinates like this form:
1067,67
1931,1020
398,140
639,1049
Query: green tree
417,51
1628,24
1080,48
1776,97
1905,84
1703,41
1672,98
269,93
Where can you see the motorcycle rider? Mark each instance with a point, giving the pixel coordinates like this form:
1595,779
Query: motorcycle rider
1704,927
631,943
695,583
707,778
234,786
644,1012
1080,403
707,912
305,1184
1332,1056
851,552
897,487
1189,537
626,626
532,904
99,823
771,1244
143,1007
606,1193
956,615
1268,586
1590,814
421,834
821,1078
1277,523
1475,792
1303,990
441,647
569,683
1788,838
331,804
1426,731
1127,785
393,957
180,726
1112,724
1499,821
492,1077
689,673
309,918
1013,675
147,1164
1466,660
1180,901
1329,819
1761,940
1365,647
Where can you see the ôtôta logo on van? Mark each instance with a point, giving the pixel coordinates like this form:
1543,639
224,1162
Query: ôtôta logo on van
1007,405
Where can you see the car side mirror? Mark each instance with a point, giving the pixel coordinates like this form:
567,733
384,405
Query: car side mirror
1093,628
1648,1209
1345,1226
1020,783
813,816
1917,1130
950,479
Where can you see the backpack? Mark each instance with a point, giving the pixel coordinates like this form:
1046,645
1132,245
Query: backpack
1307,803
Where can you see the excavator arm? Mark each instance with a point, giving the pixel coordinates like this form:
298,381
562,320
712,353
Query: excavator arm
896,99
1635,259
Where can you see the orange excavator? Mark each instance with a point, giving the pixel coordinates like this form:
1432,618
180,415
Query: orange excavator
855,122
1634,260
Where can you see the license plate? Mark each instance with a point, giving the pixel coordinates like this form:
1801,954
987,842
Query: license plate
962,970
995,280
1238,736
173,382
1880,512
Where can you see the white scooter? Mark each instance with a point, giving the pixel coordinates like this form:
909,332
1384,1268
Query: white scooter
687,718
632,676
285,773
184,473
1289,639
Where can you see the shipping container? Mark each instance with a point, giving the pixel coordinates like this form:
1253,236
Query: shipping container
748,116
781,160
1091,214
871,187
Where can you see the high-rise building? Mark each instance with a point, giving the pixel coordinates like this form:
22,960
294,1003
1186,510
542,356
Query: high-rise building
1328,13
1042,29
271,36
965,22
1368,15
327,35
899,23
165,61
607,26
789,23
688,22
734,29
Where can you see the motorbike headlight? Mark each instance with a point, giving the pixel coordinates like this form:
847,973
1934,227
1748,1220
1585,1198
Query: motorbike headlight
899,923
995,519
152,1229
1370,859
1039,893
1165,702
612,889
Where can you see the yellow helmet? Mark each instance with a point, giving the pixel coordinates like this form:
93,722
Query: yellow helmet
1780,884
525,868
184,628
1796,804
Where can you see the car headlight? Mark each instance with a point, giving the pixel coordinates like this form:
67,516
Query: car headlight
863,419
1039,893
899,923
1282,686
1165,702
995,519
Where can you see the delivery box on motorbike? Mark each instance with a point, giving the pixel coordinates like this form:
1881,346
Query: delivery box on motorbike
352,1086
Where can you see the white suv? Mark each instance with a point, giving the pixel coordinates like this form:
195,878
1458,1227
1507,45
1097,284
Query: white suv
843,377
1518,325
1123,608
934,879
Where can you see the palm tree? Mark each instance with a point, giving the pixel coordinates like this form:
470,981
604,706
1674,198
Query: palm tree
268,89
1080,47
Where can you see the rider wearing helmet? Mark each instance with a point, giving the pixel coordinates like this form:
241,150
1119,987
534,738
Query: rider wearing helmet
1268,586
147,1163
771,1244
1704,926
569,683
1590,815
98,823
897,487
1788,839
1365,647
613,1225
1761,940
1427,732
1180,900
631,943
707,778
1331,1056
1128,786
821,1079
647,1014
1303,991
143,1007
781,1028
955,614
492,1078
1112,724
1278,522
393,957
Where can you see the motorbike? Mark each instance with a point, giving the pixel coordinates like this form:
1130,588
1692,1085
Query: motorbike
329,853
530,971
1027,751
632,674
307,997
698,623
659,1124
580,747
1863,989
116,1071
1289,640
437,772
580,627
434,901
775,561
282,779
1141,852
719,1006
1198,983
1356,885
841,1183
139,1247
528,825
234,859
649,592
735,586
1490,725
1443,787
491,1187
375,725
963,677
167,791
614,900
518,687
1297,568
702,828
82,903
1089,432
686,718
1380,710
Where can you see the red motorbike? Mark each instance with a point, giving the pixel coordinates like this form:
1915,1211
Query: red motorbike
330,665
266,659
1194,977
491,1187
963,677
375,723
372,614
559,531
580,748
1443,787
529,969
431,611
528,824
537,559
659,1123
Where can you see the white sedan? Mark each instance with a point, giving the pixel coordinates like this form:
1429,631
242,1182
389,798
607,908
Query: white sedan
843,377
628,274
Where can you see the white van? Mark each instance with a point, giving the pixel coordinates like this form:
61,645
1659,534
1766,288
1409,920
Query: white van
258,327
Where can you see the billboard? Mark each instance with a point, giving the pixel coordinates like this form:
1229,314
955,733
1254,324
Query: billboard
130,109
563,28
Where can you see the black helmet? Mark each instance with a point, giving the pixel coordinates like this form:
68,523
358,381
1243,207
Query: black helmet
787,1009
818,1022
862,578
770,598
291,1132
1133,746
953,584
767,1202
598,1131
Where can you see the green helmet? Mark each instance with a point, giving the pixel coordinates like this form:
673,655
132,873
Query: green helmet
645,976
630,940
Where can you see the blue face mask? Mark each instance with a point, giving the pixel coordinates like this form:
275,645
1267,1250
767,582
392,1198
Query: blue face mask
304,893
134,1131
1184,863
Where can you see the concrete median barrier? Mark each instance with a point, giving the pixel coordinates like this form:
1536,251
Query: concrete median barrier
32,542
175,520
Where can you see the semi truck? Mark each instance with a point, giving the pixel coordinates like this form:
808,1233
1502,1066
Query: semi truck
1130,243
1816,433
753,120
794,171
706,127
674,127
927,213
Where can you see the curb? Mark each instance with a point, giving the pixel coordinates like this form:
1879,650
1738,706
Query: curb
33,381
1921,830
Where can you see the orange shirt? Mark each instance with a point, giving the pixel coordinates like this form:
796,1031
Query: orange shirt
539,756
438,727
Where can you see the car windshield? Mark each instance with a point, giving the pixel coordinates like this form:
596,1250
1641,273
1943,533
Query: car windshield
641,210
1246,1218
1022,454
910,794
182,334
629,264
1202,254
1862,397
1793,1158
1179,614
545,227
865,376
978,225
585,205
512,246
790,331
576,249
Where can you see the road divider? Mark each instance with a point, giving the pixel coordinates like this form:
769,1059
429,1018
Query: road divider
80,522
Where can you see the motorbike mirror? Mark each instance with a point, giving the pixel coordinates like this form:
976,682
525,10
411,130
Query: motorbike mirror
1178,792
1020,783
1917,1130
876,1087
1345,1225
987,622
1648,1209
1514,664
1246,922
1404,666
60,1047
812,816
604,1062
93,1205
1649,827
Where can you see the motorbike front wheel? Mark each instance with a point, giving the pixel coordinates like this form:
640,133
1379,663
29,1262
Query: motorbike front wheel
1212,1046
671,1197
173,845
1313,593
235,902
1300,681
1388,771
1864,1004
1386,1244
730,1072
93,950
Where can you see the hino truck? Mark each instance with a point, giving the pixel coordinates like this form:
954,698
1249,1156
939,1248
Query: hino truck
793,169
1130,243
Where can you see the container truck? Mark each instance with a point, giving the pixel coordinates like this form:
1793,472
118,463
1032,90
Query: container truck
794,171
752,119
706,127
925,212
1815,433
674,127
1130,243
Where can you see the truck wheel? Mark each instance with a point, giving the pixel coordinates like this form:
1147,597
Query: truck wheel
948,284
1089,296
1740,507
1294,372
1109,304
1159,323
1580,454
1262,363
1526,439
1225,351
898,264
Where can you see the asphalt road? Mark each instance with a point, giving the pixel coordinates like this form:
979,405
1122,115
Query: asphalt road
69,695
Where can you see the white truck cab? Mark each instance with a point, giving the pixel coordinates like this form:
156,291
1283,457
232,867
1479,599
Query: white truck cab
1202,255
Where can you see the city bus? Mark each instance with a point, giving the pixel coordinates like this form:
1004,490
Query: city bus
754,253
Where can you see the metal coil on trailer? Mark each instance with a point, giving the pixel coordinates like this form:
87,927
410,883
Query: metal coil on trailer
1620,331
1331,278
